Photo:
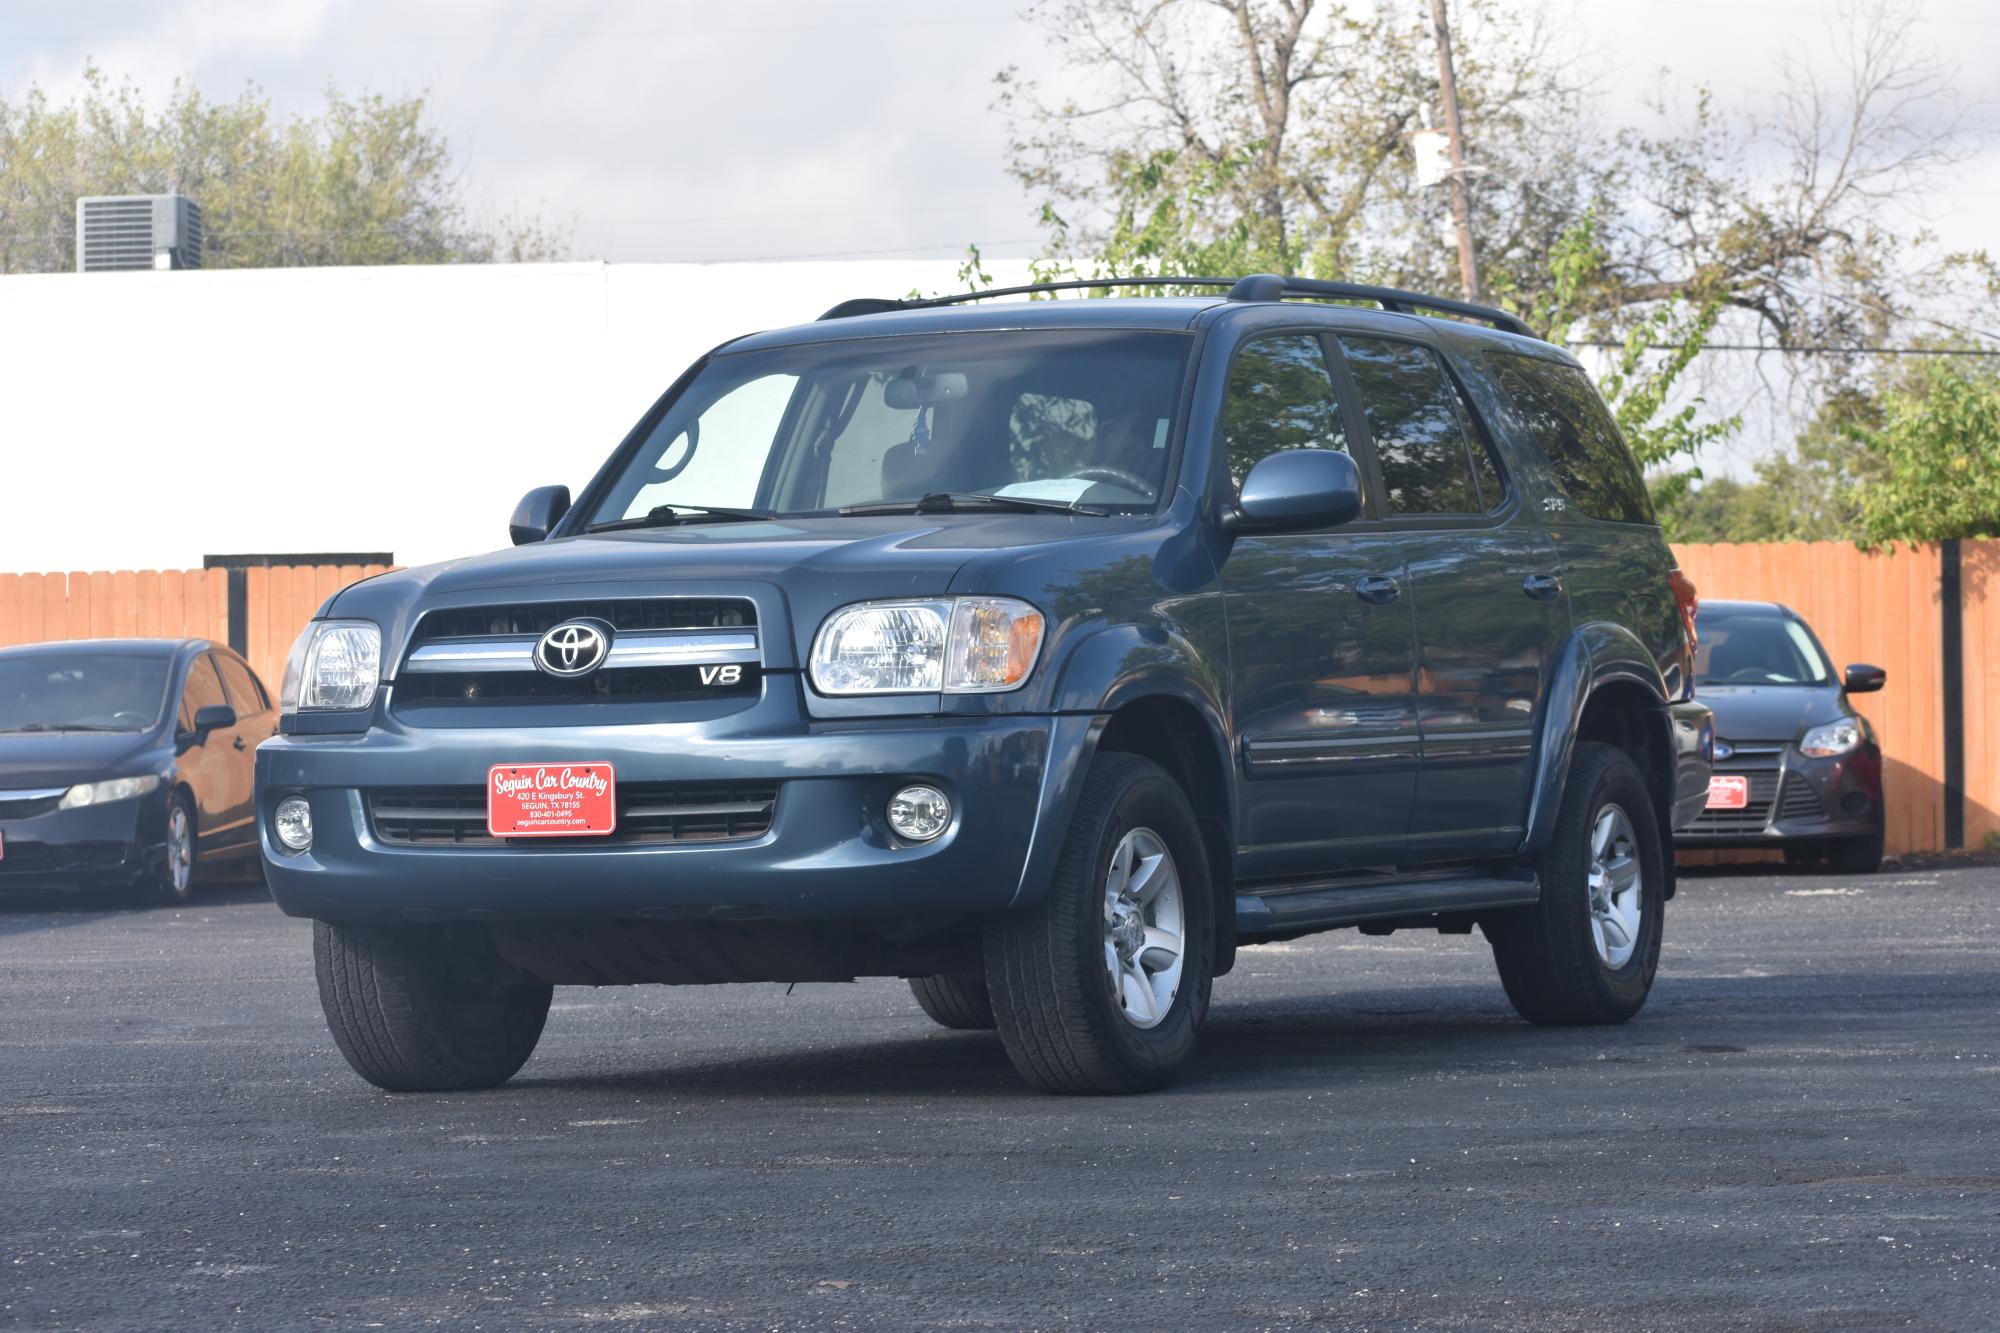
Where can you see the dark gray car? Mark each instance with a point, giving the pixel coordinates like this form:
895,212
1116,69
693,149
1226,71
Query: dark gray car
1796,764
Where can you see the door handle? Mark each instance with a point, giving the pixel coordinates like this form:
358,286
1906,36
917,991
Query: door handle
1377,588
238,742
1542,587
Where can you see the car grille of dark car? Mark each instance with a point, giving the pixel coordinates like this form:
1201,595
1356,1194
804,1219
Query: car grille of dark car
18,808
1801,801
1760,764
441,667
648,685
648,812
623,614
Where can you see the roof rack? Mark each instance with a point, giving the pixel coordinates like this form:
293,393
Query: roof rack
1256,287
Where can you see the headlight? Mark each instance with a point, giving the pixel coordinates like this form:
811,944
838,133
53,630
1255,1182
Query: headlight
953,645
103,793
336,664
1831,739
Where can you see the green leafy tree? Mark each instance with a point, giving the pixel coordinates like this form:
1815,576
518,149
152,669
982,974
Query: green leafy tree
366,181
1937,446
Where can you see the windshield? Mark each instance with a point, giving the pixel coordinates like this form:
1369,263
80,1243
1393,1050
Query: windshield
1072,416
1757,648
81,692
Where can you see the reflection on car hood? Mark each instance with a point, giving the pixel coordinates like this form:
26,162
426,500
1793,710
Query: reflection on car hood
1769,712
62,758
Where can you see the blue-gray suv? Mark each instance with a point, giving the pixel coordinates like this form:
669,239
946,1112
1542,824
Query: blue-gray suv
1041,652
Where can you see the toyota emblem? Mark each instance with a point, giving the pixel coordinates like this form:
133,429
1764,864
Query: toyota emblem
574,648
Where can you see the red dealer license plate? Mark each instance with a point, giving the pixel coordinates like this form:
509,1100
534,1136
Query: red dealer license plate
1728,793
550,800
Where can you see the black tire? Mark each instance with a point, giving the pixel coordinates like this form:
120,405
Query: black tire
425,1008
1547,954
954,1002
1052,996
1856,856
172,880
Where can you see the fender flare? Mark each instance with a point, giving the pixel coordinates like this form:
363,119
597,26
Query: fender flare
1114,667
1597,654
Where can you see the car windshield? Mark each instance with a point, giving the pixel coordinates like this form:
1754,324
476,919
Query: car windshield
1757,648
81,692
1044,418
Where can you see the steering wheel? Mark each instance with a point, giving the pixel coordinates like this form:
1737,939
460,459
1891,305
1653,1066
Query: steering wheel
1131,481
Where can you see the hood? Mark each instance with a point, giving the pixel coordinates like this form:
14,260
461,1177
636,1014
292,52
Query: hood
804,567
64,758
1770,712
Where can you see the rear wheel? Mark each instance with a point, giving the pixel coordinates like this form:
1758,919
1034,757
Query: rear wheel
954,1002
1586,953
1102,986
426,1008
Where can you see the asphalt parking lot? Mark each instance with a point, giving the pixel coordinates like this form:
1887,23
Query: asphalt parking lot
1798,1133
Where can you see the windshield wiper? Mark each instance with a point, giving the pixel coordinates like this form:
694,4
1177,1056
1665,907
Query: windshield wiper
667,515
945,502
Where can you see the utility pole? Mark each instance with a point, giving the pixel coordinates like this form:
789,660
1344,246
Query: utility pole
1461,201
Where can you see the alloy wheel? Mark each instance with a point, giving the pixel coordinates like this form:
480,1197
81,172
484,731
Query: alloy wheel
1616,898
1144,928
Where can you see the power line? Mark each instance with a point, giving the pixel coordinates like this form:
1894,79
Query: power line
624,34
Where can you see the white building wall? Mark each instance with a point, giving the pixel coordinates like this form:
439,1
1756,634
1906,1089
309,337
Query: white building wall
148,419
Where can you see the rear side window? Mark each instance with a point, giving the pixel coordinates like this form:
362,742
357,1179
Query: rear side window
1280,396
1430,462
1556,405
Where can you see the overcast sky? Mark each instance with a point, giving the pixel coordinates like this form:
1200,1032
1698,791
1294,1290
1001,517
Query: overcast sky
705,129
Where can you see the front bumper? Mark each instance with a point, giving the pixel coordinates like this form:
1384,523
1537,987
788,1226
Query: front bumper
827,854
1794,797
98,845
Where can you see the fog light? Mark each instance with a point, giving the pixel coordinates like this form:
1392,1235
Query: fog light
294,823
919,813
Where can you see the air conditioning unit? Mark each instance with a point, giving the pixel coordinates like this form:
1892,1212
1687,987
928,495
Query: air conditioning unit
118,233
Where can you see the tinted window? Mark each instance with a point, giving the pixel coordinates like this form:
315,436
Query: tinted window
245,695
89,691
1757,648
1556,405
1421,432
1280,397
203,688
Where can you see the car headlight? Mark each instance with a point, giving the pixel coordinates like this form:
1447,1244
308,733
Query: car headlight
1831,738
952,645
103,793
336,664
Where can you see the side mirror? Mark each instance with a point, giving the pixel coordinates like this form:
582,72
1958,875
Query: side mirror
1297,490
539,510
1864,679
213,717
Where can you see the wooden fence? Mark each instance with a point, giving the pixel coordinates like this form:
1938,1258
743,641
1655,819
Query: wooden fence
259,615
1938,718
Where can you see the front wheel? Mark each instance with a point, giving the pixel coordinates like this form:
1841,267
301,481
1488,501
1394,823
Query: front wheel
1101,987
426,1008
955,1001
1586,953
172,881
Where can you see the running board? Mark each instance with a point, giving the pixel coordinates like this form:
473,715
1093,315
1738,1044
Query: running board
1326,908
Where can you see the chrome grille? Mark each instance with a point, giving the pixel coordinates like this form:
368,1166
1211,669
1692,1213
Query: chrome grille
648,812
662,649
